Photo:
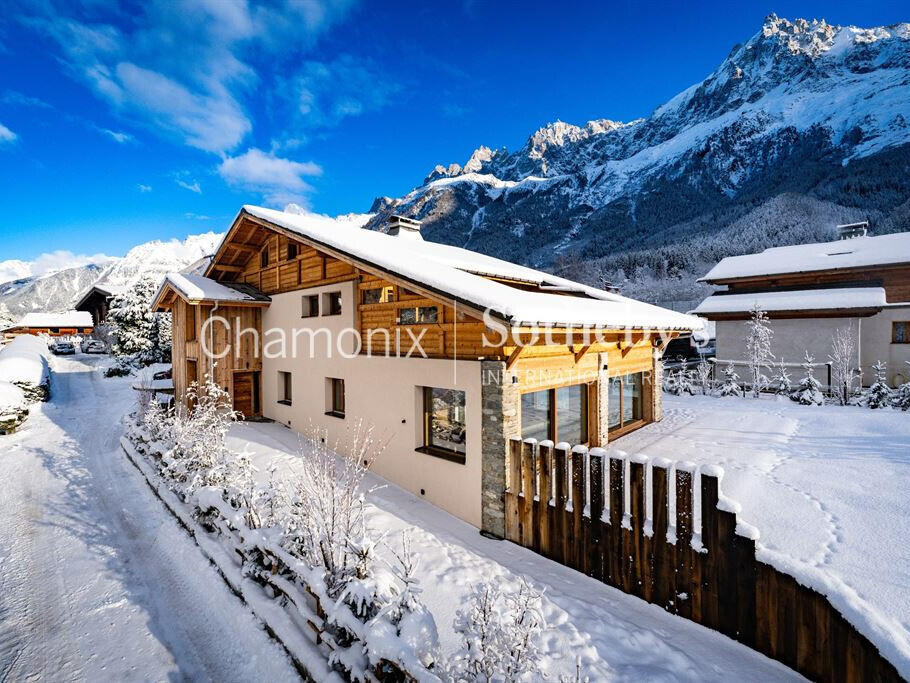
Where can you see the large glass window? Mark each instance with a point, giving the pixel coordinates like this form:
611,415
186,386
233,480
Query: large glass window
415,316
444,421
557,414
378,295
625,397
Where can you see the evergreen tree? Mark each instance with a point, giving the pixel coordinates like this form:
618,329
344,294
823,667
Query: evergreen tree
809,390
137,329
781,383
902,395
758,348
730,387
879,395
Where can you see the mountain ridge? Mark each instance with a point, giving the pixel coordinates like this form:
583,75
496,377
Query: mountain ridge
801,109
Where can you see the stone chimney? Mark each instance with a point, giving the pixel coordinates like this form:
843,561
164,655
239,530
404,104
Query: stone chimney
404,227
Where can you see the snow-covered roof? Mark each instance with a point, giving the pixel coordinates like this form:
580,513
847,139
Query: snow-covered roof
24,361
199,288
66,319
104,288
463,275
803,300
858,252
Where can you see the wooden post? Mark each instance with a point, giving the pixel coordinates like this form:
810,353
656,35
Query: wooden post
513,488
558,537
545,462
578,508
594,535
528,491
634,549
685,588
664,576
710,539
617,509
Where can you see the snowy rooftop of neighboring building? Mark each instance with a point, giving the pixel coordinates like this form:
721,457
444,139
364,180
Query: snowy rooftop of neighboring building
803,300
104,288
463,275
857,252
198,288
67,319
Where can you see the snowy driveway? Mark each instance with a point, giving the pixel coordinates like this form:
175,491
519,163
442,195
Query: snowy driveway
97,582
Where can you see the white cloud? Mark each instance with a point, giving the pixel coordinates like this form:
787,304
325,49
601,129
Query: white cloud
182,66
117,135
6,135
197,216
144,188
47,263
328,92
192,187
279,180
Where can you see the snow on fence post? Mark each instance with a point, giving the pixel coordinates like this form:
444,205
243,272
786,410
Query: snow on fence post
708,572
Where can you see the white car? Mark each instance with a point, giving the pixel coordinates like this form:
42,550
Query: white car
93,346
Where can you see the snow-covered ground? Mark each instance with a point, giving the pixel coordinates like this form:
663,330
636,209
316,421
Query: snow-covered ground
617,636
828,488
97,580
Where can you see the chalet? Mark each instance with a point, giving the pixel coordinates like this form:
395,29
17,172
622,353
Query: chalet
52,324
811,290
97,300
446,353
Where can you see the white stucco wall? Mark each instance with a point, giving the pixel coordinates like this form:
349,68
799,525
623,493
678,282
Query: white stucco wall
382,393
792,337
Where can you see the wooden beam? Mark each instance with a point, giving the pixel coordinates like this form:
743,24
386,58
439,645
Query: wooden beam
581,353
513,357
248,248
227,268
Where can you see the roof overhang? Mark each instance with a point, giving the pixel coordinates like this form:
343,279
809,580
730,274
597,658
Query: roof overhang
429,291
167,294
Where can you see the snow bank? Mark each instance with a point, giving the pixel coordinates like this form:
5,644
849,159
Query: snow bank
24,362
13,407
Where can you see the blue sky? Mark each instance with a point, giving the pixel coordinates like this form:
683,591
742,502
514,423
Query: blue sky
125,122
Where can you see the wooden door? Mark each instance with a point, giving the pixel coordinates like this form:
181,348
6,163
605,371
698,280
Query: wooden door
243,393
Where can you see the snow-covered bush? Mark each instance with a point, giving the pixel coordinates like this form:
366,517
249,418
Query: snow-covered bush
809,390
758,348
679,382
703,376
902,395
500,633
880,395
730,386
781,383
843,356
304,528
138,330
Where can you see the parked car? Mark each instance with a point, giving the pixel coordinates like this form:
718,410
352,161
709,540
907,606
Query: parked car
63,348
93,346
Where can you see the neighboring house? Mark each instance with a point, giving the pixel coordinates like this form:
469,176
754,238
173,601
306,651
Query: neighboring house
354,301
52,324
97,300
811,290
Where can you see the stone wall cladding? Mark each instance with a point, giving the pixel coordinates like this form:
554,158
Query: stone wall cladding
501,421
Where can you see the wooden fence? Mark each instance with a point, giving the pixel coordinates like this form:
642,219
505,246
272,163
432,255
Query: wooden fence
569,505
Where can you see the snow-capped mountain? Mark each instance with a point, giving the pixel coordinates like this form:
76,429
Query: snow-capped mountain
60,290
803,109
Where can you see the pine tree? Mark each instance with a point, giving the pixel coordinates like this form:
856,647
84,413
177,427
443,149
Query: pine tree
703,375
781,383
730,387
879,395
758,348
138,330
902,395
809,390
